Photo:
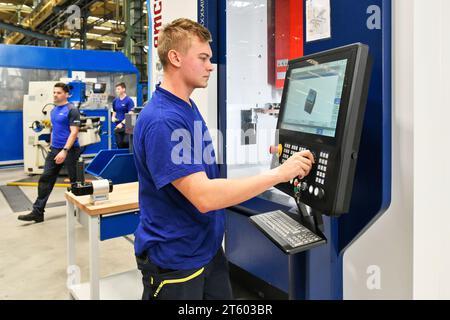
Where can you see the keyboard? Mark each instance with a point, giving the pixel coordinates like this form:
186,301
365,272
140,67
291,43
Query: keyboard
287,233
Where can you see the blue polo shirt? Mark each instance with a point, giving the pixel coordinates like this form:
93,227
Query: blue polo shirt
168,145
62,118
122,107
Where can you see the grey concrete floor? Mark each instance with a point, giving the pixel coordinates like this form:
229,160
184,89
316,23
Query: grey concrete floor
33,256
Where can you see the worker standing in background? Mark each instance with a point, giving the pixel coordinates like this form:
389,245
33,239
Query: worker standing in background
178,242
64,150
122,105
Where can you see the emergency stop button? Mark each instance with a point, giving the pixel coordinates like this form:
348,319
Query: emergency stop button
278,150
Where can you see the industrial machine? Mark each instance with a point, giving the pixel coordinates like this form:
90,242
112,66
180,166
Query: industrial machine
37,126
355,179
92,74
331,130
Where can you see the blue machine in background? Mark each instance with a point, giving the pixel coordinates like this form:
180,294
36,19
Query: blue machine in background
21,64
78,97
318,273
105,134
77,92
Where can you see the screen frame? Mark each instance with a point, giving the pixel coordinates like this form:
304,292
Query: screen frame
349,54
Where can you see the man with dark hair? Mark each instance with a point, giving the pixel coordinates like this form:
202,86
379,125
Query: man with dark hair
64,150
121,106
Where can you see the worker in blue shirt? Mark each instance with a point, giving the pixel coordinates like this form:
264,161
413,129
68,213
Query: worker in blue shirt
64,150
122,105
178,243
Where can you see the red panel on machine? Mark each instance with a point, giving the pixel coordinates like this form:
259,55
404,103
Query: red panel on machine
288,37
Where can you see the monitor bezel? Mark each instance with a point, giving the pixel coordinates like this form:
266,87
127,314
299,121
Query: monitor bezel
349,54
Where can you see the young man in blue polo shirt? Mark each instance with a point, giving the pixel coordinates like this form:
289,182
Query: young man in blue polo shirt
64,150
178,242
121,106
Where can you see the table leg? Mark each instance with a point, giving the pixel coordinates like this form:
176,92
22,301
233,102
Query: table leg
71,245
73,274
94,275
70,221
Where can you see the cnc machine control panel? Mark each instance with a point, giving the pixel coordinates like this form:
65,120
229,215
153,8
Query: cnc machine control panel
322,110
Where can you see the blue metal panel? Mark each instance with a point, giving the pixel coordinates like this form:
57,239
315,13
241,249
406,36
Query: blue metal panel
115,165
222,82
371,193
387,103
324,282
102,159
139,94
150,50
118,225
262,205
13,56
207,16
249,249
103,144
77,92
372,186
120,169
13,150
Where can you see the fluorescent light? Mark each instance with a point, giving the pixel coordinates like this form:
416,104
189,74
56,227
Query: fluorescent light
116,22
109,42
102,28
93,34
75,39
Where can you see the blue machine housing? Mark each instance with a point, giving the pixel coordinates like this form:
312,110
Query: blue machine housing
31,57
77,92
318,273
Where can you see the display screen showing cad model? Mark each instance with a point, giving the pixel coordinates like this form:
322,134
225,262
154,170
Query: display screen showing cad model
314,97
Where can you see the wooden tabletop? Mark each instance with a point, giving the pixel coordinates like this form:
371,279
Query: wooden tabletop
123,198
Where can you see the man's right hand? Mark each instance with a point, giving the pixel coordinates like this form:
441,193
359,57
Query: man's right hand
299,165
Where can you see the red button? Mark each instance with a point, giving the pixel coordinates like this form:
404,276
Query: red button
276,150
273,150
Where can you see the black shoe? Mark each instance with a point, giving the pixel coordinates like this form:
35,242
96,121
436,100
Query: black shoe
32,217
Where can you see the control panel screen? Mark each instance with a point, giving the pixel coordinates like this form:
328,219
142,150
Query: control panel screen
322,110
314,97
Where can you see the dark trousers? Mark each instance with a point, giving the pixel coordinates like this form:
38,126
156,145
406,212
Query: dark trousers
121,138
212,282
51,170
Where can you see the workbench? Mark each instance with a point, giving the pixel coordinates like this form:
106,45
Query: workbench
116,217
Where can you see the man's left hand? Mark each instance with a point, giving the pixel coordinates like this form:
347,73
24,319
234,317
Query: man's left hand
60,157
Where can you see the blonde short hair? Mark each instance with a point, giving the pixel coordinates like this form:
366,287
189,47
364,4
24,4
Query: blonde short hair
178,35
